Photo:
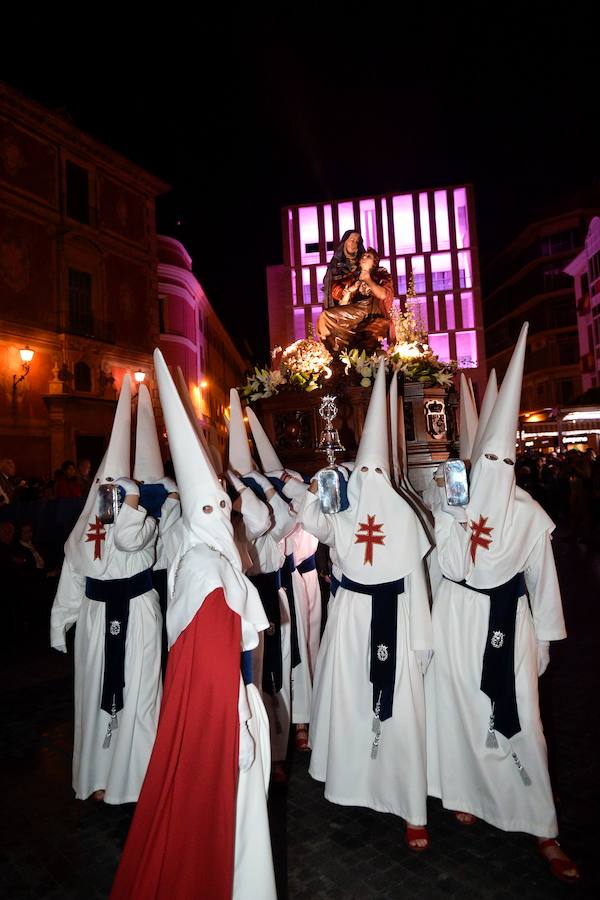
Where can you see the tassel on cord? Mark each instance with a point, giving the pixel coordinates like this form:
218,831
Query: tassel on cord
113,724
376,728
491,741
522,771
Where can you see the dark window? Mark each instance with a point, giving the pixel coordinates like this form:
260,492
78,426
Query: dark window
163,318
314,248
78,193
83,377
80,302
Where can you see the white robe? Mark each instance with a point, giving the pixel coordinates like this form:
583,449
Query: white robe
462,771
342,712
119,770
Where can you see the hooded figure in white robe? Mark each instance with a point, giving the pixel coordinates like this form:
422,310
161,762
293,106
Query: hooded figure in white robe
105,588
280,669
368,715
302,544
487,756
201,825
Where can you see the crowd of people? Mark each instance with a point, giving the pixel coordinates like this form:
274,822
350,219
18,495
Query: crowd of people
398,698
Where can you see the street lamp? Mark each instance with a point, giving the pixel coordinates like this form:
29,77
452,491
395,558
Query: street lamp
26,355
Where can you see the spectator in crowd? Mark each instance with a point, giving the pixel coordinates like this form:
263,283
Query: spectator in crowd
68,485
83,476
8,487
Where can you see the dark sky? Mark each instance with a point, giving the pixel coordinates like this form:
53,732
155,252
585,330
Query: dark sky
255,111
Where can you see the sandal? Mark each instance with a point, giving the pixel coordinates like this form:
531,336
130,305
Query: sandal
465,818
418,833
302,739
559,866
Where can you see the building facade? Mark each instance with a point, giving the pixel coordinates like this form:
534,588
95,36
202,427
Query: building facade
192,337
585,272
527,282
78,278
429,236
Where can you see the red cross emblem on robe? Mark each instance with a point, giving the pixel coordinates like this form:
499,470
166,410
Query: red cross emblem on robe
479,538
369,538
96,534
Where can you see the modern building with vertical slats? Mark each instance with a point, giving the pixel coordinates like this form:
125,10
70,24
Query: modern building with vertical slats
429,234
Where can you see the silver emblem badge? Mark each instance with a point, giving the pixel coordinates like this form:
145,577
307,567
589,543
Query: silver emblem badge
497,639
382,653
115,627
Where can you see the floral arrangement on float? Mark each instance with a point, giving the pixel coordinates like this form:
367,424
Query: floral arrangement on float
305,364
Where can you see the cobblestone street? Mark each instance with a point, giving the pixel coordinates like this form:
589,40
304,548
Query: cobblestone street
55,847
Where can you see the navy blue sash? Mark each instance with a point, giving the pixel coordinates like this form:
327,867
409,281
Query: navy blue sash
116,594
384,627
286,570
334,585
309,564
268,588
498,668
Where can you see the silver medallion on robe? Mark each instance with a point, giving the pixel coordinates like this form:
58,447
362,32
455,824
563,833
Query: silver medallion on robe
382,653
497,639
115,627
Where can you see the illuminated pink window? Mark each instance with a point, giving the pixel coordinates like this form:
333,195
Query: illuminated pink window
294,297
309,234
466,349
441,271
327,218
306,295
440,345
442,226
450,317
465,272
315,313
436,314
425,229
368,228
401,270
386,228
418,267
299,324
468,315
291,236
404,223
461,218
320,272
346,217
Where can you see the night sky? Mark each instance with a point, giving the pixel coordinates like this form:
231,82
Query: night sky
254,112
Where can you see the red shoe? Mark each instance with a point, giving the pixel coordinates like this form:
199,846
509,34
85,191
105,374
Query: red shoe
302,739
469,818
416,834
557,865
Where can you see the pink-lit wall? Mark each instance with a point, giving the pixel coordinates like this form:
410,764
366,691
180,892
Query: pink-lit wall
429,235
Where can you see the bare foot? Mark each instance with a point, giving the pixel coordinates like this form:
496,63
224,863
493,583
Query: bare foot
464,818
98,796
560,865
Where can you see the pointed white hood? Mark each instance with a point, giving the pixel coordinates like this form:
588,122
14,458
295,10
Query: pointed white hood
505,522
79,550
239,449
148,466
184,394
207,534
374,448
468,418
379,537
269,460
487,405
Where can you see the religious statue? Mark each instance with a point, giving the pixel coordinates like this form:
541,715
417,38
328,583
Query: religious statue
361,299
